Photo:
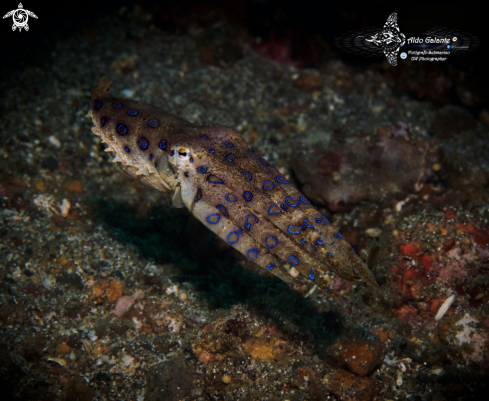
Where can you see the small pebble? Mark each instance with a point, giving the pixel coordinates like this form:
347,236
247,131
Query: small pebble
436,167
479,296
183,296
226,379
294,272
373,232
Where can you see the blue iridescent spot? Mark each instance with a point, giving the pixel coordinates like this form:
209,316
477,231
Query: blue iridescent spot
202,169
273,209
304,200
247,195
318,220
270,266
252,151
301,227
153,123
282,180
223,210
270,241
268,185
143,143
250,220
291,201
213,218
339,235
279,275
335,235
206,137
232,238
97,105
122,129
150,156
132,112
326,221
191,159
198,195
185,174
293,230
246,173
239,230
230,157
283,207
117,106
308,224
330,255
211,150
231,198
311,276
229,144
352,250
214,179
293,260
102,121
127,149
320,241
303,242
252,254
162,144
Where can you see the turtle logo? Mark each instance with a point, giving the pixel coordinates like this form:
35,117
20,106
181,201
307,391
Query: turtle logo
20,17
390,39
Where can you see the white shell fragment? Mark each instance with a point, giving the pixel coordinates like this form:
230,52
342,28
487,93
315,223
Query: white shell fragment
444,307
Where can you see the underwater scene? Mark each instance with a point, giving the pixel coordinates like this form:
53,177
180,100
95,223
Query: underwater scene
251,200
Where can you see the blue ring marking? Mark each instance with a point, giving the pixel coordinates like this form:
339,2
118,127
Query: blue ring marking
283,207
102,121
127,149
97,105
270,211
172,153
308,224
303,242
326,221
301,227
247,195
318,220
270,267
229,199
206,137
252,151
162,144
143,143
352,250
335,235
330,255
311,276
272,239
284,181
239,230
153,123
191,159
211,150
185,174
320,241
214,177
266,185
132,112
117,107
202,169
223,210
287,200
339,235
229,144
246,172
230,157
293,260
254,253
213,218
304,201
198,195
248,224
230,240
279,275
150,156
122,129
293,230
326,289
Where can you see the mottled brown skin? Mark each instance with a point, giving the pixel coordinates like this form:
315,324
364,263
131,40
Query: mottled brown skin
207,167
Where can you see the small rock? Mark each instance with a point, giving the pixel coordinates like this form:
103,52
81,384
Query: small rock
226,379
348,387
373,232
